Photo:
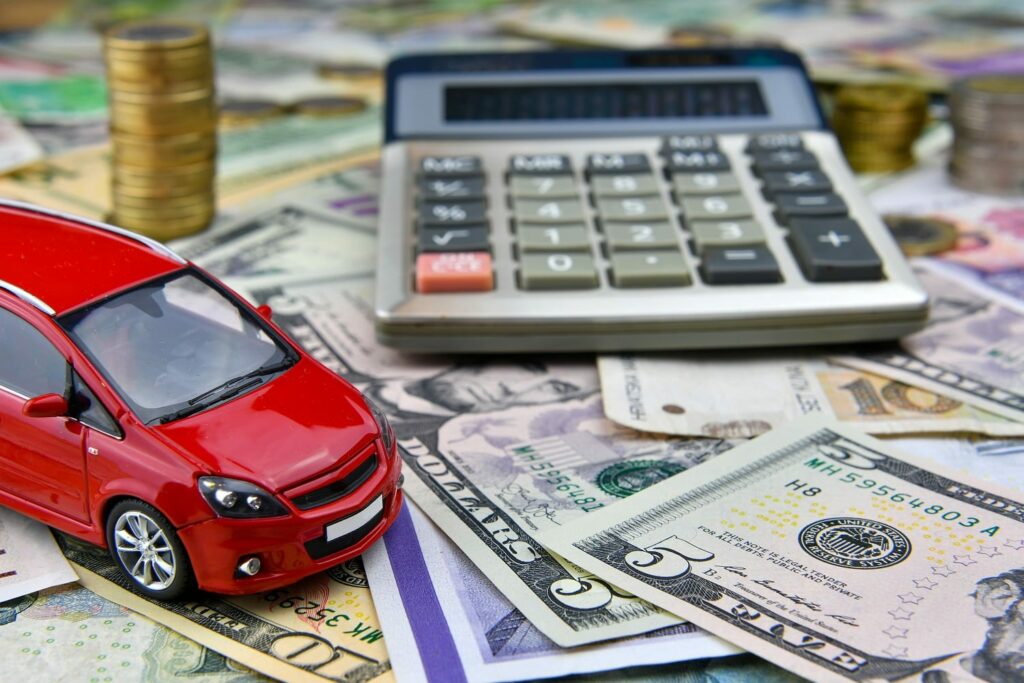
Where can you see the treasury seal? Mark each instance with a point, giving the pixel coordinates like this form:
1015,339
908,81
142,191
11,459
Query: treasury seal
626,478
854,543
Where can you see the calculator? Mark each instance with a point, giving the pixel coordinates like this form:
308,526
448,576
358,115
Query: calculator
624,200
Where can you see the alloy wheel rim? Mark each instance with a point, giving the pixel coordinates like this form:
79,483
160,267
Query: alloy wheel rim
144,550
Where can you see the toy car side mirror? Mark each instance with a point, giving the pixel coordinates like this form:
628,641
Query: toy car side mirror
46,405
265,311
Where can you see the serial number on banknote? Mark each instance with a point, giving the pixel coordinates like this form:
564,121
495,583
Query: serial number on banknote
858,480
314,611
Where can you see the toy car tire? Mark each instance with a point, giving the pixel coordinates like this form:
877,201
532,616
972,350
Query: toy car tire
147,549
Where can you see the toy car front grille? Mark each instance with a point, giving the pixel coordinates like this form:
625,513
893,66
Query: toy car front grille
339,487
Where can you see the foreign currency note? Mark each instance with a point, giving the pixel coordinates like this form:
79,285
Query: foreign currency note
829,553
971,348
72,634
990,244
449,622
736,395
321,629
29,558
496,452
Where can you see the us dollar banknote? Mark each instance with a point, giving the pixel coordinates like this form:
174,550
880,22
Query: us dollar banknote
496,452
828,553
29,558
737,395
318,630
970,350
451,623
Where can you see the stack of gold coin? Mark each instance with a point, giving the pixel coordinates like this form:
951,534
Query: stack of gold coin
878,124
987,113
163,127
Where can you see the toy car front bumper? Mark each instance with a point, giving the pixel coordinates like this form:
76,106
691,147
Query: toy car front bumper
293,547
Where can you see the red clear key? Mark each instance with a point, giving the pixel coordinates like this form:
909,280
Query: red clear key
455,271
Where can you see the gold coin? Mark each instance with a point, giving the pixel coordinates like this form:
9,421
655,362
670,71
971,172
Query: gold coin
154,216
153,87
880,98
151,36
143,176
164,150
348,71
162,229
147,195
921,235
329,106
879,164
237,113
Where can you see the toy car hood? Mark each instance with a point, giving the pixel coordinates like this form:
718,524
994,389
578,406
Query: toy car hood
307,421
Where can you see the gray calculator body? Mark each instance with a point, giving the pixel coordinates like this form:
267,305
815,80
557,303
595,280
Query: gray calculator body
608,201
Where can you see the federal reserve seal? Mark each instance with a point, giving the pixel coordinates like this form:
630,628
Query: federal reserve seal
854,543
349,573
626,478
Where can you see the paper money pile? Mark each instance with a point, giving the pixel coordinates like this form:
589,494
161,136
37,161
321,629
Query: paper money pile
162,127
564,519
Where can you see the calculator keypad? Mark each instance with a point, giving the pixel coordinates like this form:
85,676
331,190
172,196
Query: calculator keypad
678,217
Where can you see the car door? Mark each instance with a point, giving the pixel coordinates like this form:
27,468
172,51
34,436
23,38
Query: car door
42,459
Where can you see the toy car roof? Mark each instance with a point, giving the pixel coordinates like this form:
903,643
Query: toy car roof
59,262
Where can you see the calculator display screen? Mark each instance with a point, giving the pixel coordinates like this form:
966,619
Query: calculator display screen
643,100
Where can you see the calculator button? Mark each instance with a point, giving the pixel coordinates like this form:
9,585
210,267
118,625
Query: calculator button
704,183
713,207
692,162
626,236
833,250
539,186
463,271
804,180
452,213
664,268
454,239
557,271
452,188
534,238
451,166
547,211
621,184
770,142
739,266
784,160
539,164
632,208
618,163
725,233
689,143
790,204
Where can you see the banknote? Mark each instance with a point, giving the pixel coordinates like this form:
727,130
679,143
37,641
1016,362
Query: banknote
449,622
62,100
740,395
497,451
17,146
321,629
29,559
970,350
990,247
312,232
828,553
252,164
70,633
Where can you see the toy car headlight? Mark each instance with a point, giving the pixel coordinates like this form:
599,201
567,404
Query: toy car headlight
387,434
235,498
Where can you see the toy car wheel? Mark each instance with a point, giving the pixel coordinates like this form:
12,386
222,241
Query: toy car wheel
148,550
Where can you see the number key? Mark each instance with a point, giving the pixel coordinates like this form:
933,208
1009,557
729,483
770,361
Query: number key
623,236
631,209
541,186
557,271
547,211
533,238
619,185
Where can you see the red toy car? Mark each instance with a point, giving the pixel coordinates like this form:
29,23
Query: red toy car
146,408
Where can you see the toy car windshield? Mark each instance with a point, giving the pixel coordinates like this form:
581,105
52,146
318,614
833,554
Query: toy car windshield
175,346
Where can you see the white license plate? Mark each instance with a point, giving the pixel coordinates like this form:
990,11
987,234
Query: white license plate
352,522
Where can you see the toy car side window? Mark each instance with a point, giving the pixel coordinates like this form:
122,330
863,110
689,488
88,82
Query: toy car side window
29,364
88,410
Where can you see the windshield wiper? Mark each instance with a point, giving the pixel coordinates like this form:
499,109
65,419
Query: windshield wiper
232,387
